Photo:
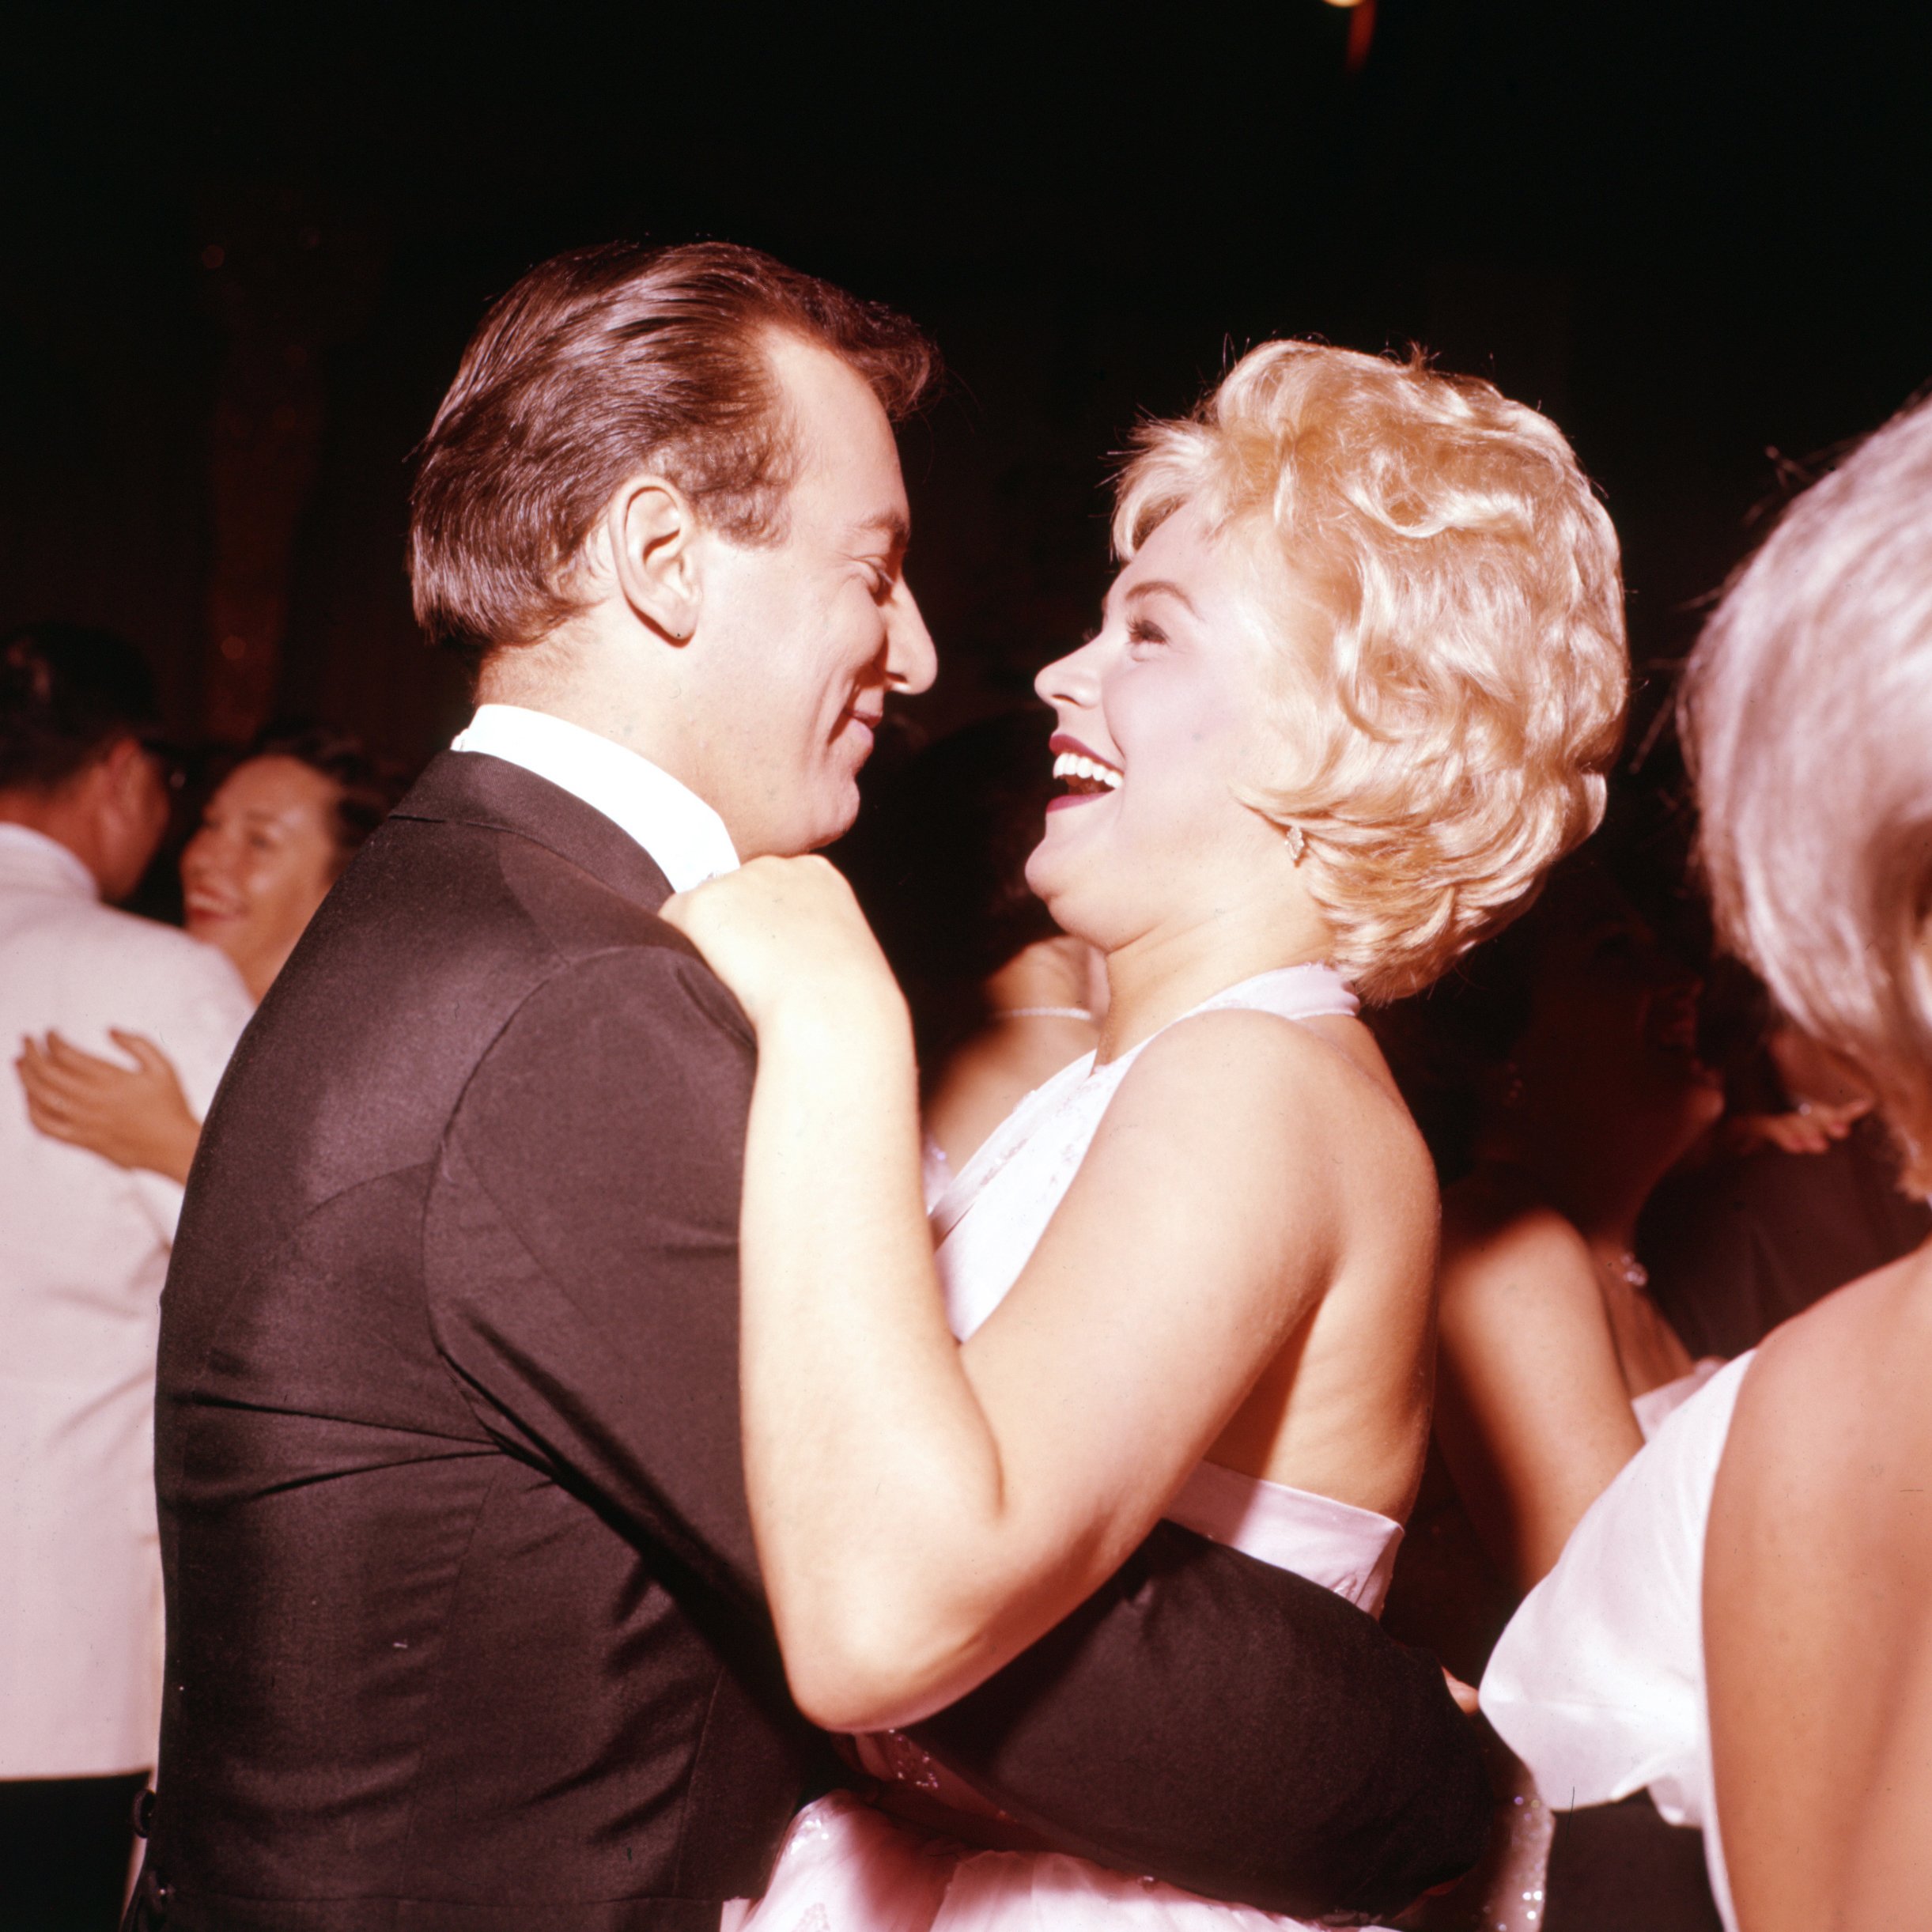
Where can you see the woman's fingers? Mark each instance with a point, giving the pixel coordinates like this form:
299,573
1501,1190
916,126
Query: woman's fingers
46,1080
55,1125
86,1070
47,1102
142,1049
68,1085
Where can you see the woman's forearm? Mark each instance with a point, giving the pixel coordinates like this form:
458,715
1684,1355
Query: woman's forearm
870,1467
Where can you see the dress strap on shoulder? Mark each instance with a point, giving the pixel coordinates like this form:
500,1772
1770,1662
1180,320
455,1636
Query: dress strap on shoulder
1313,991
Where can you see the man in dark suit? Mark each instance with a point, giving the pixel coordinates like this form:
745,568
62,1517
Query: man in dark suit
465,1619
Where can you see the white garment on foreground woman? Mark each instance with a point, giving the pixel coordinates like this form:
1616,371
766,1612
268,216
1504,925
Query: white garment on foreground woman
1598,1685
848,1867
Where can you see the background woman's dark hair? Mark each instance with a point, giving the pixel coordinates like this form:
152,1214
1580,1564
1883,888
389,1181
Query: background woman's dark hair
938,860
1449,1046
367,788
66,694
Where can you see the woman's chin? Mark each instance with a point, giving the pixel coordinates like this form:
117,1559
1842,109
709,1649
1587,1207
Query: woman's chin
1055,882
1044,883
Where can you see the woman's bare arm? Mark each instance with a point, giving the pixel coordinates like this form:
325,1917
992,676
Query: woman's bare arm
1887,1861
1532,1410
925,1512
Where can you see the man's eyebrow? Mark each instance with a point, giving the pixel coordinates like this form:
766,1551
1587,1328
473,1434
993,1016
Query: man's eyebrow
1155,586
890,524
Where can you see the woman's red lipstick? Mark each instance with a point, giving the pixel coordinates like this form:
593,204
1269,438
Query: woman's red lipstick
1063,744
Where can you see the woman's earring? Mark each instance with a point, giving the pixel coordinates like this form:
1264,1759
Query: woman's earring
1296,840
1512,1085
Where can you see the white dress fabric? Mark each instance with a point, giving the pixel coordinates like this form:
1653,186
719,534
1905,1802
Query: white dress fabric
1598,1685
846,1867
1655,1405
84,1246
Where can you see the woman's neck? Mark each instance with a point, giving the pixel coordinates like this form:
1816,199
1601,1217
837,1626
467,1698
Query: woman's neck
1154,980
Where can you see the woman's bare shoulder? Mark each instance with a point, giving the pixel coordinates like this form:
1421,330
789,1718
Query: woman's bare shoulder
1848,1374
1506,1252
1296,1080
1288,1109
1499,1219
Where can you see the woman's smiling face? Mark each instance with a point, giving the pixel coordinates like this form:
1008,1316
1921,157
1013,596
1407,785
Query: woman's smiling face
264,860
1161,715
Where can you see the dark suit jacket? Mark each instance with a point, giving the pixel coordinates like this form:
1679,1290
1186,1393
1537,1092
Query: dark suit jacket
465,1625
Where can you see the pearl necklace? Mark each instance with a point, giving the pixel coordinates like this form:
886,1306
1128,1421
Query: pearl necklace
1626,1268
1041,1012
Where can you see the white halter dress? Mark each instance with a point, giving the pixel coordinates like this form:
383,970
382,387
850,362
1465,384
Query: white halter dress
845,1867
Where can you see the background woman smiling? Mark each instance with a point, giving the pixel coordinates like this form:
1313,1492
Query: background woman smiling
273,839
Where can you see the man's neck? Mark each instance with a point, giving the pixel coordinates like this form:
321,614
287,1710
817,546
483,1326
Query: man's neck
547,676
55,814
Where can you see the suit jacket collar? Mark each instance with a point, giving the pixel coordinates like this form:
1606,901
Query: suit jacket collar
472,788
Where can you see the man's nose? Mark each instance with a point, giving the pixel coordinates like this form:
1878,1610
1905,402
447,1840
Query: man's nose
912,661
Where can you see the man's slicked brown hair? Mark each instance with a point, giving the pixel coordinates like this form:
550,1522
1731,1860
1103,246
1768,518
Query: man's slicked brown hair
599,363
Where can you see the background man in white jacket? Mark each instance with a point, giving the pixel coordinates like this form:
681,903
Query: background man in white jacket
84,1247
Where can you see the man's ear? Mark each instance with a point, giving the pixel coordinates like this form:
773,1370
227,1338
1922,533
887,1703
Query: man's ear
127,813
652,530
131,779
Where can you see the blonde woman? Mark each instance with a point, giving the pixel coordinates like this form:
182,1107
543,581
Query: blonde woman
1741,1621
1351,694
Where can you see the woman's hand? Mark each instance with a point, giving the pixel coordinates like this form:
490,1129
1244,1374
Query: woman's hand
1809,1128
135,1117
786,935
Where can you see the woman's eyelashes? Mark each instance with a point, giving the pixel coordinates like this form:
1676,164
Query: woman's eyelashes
1140,630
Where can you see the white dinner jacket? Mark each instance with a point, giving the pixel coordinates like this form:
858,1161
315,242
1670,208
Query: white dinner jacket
84,1248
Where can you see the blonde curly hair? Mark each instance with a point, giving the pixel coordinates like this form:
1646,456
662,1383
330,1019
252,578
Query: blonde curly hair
1448,744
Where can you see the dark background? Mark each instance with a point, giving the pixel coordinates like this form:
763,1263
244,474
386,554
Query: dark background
244,250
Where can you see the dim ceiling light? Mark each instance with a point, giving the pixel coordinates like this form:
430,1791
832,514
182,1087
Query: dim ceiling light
1345,2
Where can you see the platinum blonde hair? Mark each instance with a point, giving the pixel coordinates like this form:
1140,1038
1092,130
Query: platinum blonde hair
1446,743
1807,717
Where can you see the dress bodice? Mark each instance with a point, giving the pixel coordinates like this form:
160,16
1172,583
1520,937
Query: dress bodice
989,1221
1655,1405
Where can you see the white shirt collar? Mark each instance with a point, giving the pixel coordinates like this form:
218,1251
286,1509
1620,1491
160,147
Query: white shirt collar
670,822
32,858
